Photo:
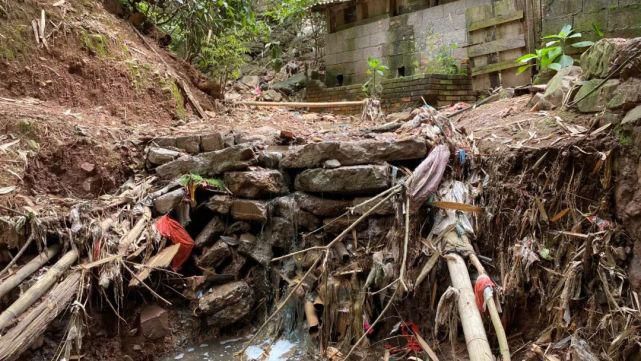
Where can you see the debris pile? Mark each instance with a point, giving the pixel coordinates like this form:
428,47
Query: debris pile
325,240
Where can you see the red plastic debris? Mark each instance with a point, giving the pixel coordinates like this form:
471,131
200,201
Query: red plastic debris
175,232
408,330
482,282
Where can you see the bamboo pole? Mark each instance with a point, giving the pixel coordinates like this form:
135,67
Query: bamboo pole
26,270
504,347
478,346
302,104
37,290
36,321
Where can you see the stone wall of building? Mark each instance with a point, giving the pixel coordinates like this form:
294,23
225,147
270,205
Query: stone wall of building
436,90
407,42
616,18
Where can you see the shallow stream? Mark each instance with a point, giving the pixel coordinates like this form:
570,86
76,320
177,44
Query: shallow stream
224,350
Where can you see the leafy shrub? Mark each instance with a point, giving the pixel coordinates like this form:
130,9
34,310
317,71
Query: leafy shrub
553,56
373,87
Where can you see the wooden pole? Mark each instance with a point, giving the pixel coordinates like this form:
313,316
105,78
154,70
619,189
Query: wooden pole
37,290
36,321
26,270
477,345
301,104
504,347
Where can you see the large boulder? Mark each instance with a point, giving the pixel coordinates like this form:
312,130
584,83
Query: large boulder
226,304
212,142
238,157
249,210
385,209
154,322
345,180
159,156
595,100
291,85
256,183
214,228
627,95
219,203
321,206
628,59
558,87
597,61
214,256
355,153
168,201
633,116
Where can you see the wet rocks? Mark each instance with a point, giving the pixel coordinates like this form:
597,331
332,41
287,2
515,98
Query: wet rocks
226,304
209,234
354,153
154,322
249,210
254,248
355,179
280,232
238,157
214,256
257,183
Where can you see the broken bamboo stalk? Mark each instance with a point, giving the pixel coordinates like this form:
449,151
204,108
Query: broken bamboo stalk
342,252
36,321
37,290
26,270
478,346
312,318
504,347
302,104
134,233
427,268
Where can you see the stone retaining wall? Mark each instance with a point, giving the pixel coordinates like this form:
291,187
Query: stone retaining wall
271,197
437,90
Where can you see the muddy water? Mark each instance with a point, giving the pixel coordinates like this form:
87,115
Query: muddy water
224,350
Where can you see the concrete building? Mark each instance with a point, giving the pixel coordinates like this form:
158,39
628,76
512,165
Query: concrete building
406,34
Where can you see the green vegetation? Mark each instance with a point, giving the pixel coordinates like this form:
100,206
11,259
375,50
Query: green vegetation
13,43
139,73
95,44
215,34
197,180
553,56
373,87
170,86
